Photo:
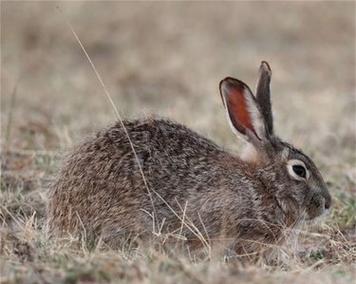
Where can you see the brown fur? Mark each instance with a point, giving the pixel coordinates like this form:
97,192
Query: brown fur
100,190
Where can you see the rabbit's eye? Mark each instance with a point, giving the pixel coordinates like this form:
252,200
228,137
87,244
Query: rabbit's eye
300,171
297,170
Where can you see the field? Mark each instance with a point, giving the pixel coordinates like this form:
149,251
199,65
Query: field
167,59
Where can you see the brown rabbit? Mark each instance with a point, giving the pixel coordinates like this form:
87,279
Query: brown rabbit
177,181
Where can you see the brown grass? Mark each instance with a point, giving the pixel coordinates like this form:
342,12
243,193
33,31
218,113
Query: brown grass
167,59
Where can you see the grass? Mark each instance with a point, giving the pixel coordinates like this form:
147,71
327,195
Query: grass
158,58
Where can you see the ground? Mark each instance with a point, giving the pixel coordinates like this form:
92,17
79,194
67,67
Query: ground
167,59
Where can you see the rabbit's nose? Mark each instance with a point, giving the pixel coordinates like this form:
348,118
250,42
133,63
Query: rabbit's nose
327,203
327,198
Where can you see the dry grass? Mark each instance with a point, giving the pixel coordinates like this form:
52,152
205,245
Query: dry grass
167,59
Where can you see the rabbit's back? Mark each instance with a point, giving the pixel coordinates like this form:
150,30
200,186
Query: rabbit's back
101,187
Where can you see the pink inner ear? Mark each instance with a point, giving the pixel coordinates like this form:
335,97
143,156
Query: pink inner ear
237,107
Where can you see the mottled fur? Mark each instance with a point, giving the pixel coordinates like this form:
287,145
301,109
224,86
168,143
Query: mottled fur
100,189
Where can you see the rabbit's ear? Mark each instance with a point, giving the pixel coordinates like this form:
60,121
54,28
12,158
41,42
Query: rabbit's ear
243,111
263,94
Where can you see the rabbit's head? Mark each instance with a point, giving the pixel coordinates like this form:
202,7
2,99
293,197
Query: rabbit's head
290,174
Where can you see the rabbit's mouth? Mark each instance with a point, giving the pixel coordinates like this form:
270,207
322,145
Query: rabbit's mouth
318,219
318,207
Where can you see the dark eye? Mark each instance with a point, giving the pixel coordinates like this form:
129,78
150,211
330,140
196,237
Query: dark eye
300,171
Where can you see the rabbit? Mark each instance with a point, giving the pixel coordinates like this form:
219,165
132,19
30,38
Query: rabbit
152,176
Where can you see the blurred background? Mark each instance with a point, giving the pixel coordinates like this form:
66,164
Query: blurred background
167,59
